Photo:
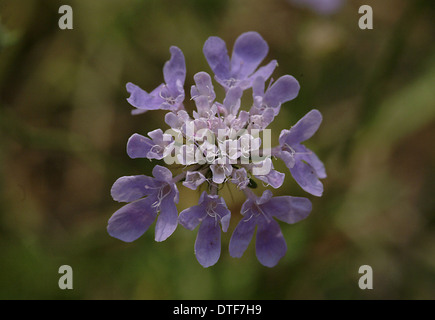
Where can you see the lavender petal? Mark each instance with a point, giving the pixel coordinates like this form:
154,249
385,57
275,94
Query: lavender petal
132,220
306,178
288,209
215,51
248,52
130,188
142,100
138,146
162,173
174,71
270,244
208,242
282,90
303,129
242,235
168,218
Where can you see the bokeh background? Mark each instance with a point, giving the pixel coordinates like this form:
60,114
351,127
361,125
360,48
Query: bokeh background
65,121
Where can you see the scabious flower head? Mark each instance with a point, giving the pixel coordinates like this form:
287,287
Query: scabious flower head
219,143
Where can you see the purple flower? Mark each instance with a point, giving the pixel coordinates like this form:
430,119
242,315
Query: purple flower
240,178
194,179
304,165
241,70
221,171
217,143
210,211
259,212
133,219
168,95
157,147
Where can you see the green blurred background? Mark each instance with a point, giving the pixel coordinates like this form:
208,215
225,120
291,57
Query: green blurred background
65,121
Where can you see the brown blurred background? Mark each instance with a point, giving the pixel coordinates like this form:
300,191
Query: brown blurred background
65,121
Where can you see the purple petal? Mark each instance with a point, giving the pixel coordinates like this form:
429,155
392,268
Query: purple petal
162,174
232,100
138,146
265,72
248,52
191,217
222,213
202,105
141,99
130,188
258,87
261,121
282,90
156,136
225,221
270,244
310,157
288,158
208,242
268,116
288,209
241,121
172,120
215,51
132,220
203,86
220,171
174,71
302,130
242,235
274,178
265,197
307,178
176,119
168,218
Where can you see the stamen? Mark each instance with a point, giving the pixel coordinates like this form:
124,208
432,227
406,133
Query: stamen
265,185
250,217
148,187
260,211
162,193
240,184
292,151
211,211
231,82
169,100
